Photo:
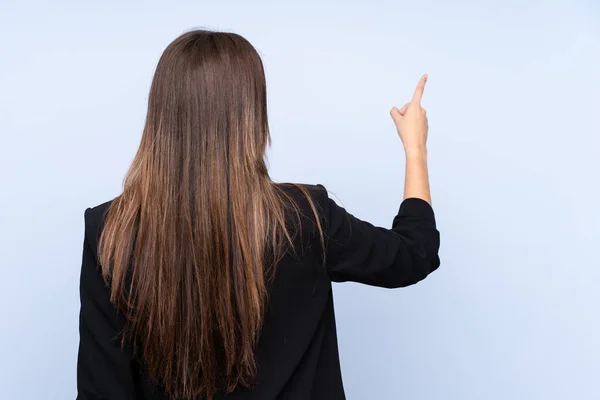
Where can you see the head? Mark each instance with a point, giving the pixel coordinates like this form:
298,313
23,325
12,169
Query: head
207,109
188,246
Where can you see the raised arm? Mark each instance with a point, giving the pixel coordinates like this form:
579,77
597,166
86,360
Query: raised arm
406,253
411,124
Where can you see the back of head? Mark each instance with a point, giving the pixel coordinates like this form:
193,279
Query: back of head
187,245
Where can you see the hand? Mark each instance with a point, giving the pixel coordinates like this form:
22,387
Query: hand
411,120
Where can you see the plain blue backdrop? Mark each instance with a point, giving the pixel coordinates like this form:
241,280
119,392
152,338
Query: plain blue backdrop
513,100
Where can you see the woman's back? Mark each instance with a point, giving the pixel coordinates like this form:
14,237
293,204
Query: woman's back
297,353
205,279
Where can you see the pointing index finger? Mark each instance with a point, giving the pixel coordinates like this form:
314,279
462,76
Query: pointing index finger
419,90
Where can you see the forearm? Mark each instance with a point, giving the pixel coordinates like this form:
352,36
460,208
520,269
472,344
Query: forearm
416,181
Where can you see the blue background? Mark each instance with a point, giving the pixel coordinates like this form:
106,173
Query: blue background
512,99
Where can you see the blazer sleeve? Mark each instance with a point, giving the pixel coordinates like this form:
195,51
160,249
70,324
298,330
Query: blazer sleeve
105,369
360,252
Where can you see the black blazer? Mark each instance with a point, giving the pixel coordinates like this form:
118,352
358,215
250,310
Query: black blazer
297,353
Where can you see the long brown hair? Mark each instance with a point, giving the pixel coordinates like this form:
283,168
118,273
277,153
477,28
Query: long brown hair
188,245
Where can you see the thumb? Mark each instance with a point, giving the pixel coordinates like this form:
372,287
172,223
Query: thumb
397,114
403,109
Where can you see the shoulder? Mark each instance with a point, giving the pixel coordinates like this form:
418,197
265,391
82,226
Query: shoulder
94,218
306,196
301,190
313,205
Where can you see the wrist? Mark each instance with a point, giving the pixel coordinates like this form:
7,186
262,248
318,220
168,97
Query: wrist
416,151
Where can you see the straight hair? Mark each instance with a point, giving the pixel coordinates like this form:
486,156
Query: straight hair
188,247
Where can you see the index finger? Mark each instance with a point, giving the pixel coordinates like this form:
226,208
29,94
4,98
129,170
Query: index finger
419,90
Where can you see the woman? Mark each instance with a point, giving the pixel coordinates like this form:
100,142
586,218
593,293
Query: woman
204,279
